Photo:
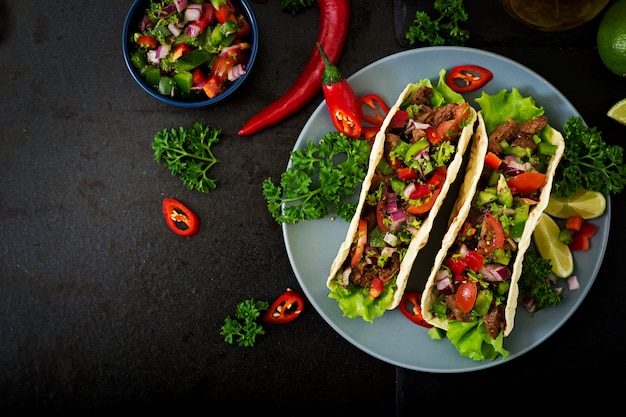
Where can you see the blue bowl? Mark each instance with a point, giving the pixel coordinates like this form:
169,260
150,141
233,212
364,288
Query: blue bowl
131,25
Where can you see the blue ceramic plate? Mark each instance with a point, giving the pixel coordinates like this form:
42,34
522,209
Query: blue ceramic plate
313,245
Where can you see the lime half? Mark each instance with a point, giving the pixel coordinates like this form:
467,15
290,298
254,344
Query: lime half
618,112
546,238
586,203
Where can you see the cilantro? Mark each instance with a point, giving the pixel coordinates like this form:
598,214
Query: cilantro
321,177
535,282
588,162
295,6
244,328
187,153
443,30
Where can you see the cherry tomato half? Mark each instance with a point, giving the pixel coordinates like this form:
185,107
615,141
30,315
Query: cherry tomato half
361,241
410,307
526,182
466,295
286,308
464,78
491,235
179,218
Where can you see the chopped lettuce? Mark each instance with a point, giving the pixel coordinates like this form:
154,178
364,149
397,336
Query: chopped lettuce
354,301
473,341
500,107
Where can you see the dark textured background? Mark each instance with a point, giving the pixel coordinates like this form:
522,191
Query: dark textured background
102,308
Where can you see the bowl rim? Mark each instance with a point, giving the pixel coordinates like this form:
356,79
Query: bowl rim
126,30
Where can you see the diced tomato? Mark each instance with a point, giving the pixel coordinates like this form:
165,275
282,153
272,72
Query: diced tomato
199,76
426,205
180,50
406,174
526,182
221,65
574,223
493,160
456,264
466,295
474,260
212,87
224,12
432,135
421,191
588,229
376,288
491,235
579,242
361,241
438,177
450,129
243,27
147,41
398,120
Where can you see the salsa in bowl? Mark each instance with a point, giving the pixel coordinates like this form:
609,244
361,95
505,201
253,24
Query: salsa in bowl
190,53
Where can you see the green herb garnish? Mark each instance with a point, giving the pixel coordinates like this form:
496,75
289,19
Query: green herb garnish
244,328
588,162
535,282
187,153
445,29
321,177
295,6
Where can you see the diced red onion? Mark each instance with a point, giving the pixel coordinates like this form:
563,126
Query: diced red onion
167,10
193,30
529,303
391,205
228,49
236,72
345,276
495,272
387,251
198,86
444,283
180,5
146,22
408,190
398,216
572,283
175,30
390,239
193,14
412,124
152,58
162,51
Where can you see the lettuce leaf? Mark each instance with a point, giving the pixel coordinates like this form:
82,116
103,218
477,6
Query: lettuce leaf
442,94
500,107
354,301
473,341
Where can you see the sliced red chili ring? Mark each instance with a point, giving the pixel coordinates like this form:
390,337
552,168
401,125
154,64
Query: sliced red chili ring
286,308
410,307
179,218
464,78
378,106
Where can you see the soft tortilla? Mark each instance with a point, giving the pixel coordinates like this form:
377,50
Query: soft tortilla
461,209
421,238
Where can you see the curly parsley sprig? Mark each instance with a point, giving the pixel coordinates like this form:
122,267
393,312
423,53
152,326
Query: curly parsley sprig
321,177
188,154
444,30
244,328
588,162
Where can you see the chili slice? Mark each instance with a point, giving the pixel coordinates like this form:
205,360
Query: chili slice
378,105
179,218
464,78
286,308
410,307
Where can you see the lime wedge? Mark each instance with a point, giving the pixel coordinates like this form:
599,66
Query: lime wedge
546,238
586,203
618,111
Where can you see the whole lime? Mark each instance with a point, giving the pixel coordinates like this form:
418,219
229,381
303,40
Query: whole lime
611,39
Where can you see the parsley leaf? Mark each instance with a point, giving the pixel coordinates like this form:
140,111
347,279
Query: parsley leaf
535,282
244,328
443,30
321,177
295,6
588,162
188,154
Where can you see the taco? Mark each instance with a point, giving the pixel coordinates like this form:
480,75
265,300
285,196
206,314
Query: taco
415,157
472,290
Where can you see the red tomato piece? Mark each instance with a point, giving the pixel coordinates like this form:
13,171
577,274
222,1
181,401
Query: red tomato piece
432,135
286,308
588,229
410,307
179,218
243,27
426,205
526,182
421,191
464,78
579,242
224,12
450,129
361,241
493,160
456,264
212,87
180,50
474,260
376,288
466,295
406,174
574,223
491,235
147,41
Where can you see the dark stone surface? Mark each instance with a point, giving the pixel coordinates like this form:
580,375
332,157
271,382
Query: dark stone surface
102,308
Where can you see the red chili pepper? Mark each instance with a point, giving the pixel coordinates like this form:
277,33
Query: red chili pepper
286,308
379,107
410,307
332,34
343,106
179,218
464,78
